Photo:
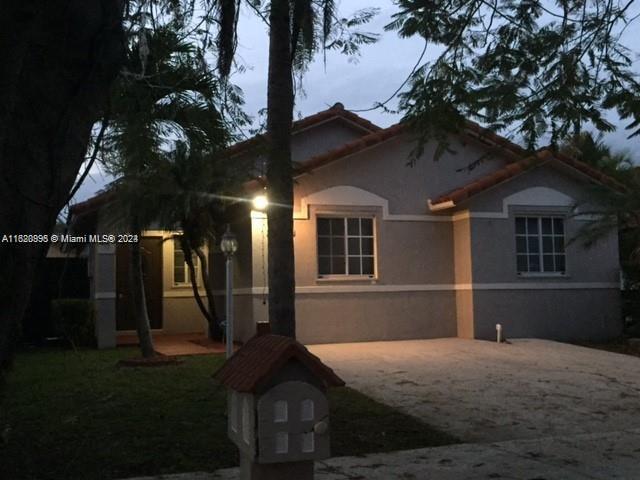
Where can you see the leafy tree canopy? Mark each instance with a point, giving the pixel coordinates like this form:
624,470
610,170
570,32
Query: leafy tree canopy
537,68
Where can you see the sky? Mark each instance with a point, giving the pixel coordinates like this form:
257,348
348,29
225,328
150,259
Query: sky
357,83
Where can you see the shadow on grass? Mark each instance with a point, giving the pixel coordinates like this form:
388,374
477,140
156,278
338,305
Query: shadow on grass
76,415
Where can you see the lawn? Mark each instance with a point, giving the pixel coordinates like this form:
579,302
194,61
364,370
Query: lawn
621,345
76,415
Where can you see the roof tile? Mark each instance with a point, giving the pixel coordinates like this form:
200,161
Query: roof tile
253,365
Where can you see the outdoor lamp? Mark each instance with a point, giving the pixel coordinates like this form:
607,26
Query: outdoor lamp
229,242
229,246
260,202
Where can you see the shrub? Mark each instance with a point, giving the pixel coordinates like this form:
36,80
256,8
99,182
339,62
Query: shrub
74,319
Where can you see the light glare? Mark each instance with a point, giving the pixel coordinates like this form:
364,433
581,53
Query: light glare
260,202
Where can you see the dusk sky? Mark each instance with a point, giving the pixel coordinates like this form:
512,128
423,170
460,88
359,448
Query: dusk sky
357,83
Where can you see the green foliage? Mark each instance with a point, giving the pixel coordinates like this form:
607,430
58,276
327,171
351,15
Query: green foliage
315,27
170,120
74,319
537,68
593,151
612,210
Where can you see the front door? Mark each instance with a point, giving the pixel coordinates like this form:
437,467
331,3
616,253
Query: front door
151,249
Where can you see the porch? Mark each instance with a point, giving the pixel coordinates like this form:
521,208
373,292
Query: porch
184,344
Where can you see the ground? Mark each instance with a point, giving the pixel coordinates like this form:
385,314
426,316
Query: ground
603,456
487,392
73,414
536,410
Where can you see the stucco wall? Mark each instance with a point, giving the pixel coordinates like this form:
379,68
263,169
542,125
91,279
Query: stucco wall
359,317
407,252
580,314
384,170
581,304
182,315
437,274
323,138
463,266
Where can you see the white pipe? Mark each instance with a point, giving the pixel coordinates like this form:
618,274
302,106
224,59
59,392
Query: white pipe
498,333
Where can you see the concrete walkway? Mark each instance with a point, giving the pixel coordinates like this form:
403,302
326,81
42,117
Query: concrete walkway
603,456
485,392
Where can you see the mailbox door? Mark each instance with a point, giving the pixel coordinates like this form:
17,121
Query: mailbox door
287,415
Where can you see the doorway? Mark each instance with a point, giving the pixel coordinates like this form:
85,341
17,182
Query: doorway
151,249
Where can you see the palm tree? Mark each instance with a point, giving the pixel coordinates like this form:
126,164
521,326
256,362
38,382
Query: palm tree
165,130
187,189
297,30
594,151
612,209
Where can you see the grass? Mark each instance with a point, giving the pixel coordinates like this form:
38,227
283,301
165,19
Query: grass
72,414
621,345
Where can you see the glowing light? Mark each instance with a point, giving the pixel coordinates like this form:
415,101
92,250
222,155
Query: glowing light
260,202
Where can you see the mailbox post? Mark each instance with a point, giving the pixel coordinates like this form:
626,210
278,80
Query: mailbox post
278,412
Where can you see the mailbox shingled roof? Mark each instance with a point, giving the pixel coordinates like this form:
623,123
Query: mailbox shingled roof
261,357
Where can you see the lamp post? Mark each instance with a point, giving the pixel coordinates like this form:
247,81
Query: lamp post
229,246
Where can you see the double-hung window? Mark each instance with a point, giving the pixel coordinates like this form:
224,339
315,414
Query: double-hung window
345,246
180,268
540,244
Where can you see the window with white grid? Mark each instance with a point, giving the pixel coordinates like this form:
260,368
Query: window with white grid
345,246
540,244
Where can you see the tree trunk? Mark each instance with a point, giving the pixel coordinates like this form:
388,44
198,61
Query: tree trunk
279,173
59,58
215,332
136,280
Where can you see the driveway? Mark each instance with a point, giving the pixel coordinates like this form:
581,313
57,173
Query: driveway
487,392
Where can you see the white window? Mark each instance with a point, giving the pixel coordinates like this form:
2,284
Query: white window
540,245
345,246
180,268
308,442
280,411
282,442
306,410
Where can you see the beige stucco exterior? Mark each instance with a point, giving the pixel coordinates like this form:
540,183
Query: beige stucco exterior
180,313
437,274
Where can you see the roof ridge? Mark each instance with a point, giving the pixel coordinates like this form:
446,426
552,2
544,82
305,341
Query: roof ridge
337,110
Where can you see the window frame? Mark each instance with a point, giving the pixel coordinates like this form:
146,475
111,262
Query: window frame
539,235
345,216
187,276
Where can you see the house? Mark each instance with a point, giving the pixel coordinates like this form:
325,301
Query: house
388,251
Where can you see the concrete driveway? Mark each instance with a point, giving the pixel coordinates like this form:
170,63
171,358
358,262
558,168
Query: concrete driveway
484,392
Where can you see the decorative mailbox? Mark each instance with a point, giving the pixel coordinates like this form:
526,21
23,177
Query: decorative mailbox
277,407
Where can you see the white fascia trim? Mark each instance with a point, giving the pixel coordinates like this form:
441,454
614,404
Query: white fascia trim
444,287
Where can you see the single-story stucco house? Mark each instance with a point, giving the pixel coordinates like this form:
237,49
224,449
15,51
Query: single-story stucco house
388,251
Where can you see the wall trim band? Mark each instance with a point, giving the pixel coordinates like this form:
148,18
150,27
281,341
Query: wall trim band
445,287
